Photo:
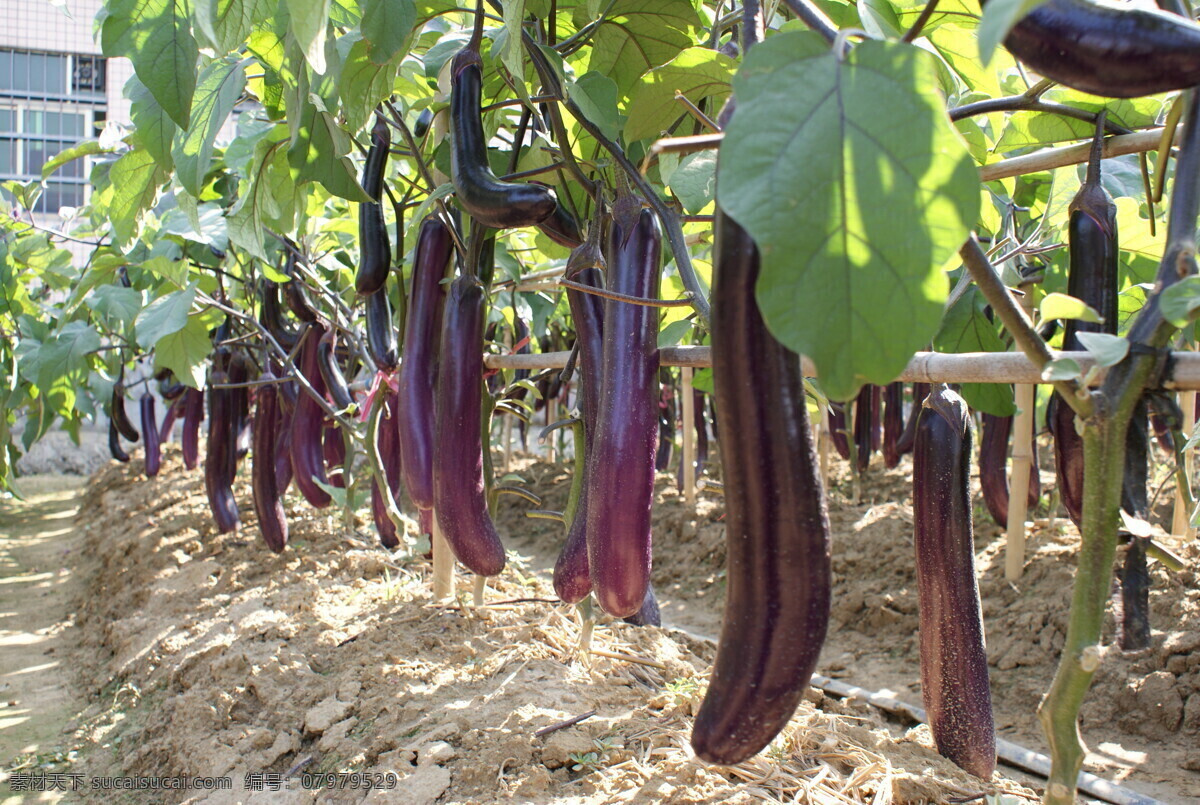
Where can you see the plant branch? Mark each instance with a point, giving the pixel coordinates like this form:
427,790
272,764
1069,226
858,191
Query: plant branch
919,24
1016,322
808,13
1032,103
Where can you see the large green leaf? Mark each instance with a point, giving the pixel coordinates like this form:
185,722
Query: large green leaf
153,128
857,190
220,86
698,73
86,148
966,328
165,315
227,23
66,352
637,35
135,178
156,36
363,83
309,19
386,26
184,351
319,153
116,305
597,97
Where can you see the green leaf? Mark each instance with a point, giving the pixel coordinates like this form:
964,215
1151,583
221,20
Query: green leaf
184,351
66,352
695,180
318,153
86,148
309,20
1108,350
999,17
386,26
220,86
153,128
1179,302
1060,369
115,304
638,35
1060,306
966,328
597,97
857,190
512,54
156,36
363,83
698,73
673,333
227,23
135,178
879,19
165,315
174,271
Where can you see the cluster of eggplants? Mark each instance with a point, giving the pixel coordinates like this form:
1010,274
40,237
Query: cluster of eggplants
418,371
1108,49
490,202
995,432
954,672
777,529
572,576
1092,278
620,464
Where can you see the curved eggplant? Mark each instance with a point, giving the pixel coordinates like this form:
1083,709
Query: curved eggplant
954,671
381,331
459,501
297,298
562,228
114,443
489,201
620,468
308,425
117,410
776,527
153,452
838,430
193,413
418,371
333,449
268,504
174,411
335,382
389,452
649,614
1109,49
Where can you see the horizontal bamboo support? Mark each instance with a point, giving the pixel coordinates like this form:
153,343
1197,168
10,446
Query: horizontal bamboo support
925,367
1061,156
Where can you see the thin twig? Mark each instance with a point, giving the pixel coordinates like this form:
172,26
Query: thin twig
620,297
562,725
917,26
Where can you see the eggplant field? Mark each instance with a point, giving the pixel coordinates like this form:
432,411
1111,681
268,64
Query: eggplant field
603,401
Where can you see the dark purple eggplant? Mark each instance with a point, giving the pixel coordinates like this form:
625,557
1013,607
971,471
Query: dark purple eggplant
114,443
864,415
423,122
666,421
776,527
838,430
293,291
153,452
333,449
993,468
308,425
954,671
620,467
170,389
271,316
375,247
562,228
1133,576
649,614
283,442
268,500
335,382
489,201
893,423
381,331
193,414
419,369
572,577
174,411
1109,49
389,452
904,444
220,461
459,501
117,410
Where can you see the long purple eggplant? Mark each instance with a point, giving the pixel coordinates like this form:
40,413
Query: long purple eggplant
283,442
308,425
268,503
893,423
864,420
620,468
418,370
333,450
993,468
954,670
220,461
572,578
777,529
174,411
838,431
150,428
904,444
193,414
389,451
117,410
114,443
335,382
459,501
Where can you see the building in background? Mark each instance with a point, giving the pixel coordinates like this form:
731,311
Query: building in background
56,89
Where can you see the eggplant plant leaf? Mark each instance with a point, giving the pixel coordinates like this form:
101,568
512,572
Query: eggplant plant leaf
857,190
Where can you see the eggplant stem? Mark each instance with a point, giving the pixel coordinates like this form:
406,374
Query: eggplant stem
545,514
695,112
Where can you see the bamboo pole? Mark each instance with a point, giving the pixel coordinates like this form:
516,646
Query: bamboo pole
1018,487
478,590
689,438
443,564
925,367
1180,525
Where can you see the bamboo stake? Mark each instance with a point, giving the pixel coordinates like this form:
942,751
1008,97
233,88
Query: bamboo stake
689,438
1180,523
443,564
478,590
925,367
1018,487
